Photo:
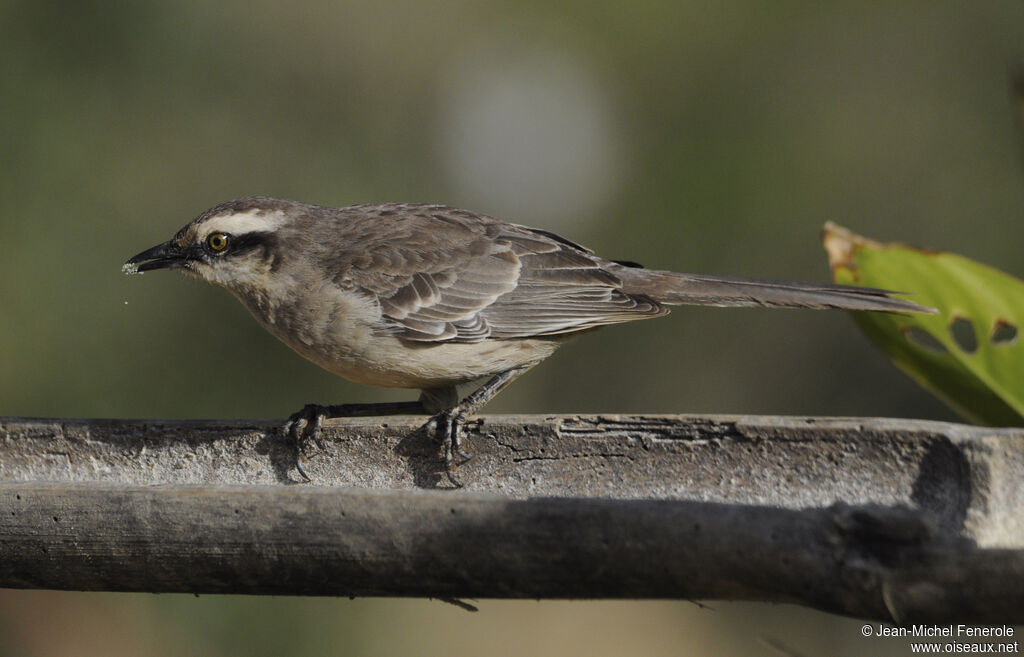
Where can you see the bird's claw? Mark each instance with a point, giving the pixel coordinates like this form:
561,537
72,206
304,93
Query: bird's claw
303,426
447,427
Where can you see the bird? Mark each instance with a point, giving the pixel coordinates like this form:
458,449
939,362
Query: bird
432,297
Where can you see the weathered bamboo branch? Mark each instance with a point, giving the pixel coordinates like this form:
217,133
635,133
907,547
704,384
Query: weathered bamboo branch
889,519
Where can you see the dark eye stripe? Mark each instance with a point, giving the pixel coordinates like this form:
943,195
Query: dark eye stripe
250,241
233,245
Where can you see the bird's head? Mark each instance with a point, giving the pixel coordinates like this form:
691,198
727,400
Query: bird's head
234,244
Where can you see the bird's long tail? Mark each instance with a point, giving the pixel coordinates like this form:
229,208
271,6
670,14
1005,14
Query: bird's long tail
700,290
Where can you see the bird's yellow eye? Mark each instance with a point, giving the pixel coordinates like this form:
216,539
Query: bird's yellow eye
217,242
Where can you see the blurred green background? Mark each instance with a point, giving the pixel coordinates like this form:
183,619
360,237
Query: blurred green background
704,137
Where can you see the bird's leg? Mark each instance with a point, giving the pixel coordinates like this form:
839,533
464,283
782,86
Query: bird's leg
305,425
448,423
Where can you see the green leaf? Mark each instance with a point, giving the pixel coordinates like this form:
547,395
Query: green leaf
970,353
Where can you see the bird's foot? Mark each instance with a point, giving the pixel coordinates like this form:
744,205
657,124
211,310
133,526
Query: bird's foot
447,427
304,426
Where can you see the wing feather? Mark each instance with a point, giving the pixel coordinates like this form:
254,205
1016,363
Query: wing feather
444,275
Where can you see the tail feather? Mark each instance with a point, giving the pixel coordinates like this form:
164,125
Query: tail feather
701,290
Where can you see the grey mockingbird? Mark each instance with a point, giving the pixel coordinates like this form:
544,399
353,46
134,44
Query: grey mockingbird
430,297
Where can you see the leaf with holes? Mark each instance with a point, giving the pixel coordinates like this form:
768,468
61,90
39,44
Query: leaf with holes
968,354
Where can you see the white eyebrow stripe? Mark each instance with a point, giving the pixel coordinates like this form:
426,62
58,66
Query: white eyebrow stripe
239,223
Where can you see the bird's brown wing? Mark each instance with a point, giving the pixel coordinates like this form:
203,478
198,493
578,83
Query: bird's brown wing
444,275
561,288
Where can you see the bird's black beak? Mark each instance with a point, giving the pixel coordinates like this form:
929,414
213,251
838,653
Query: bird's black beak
162,256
